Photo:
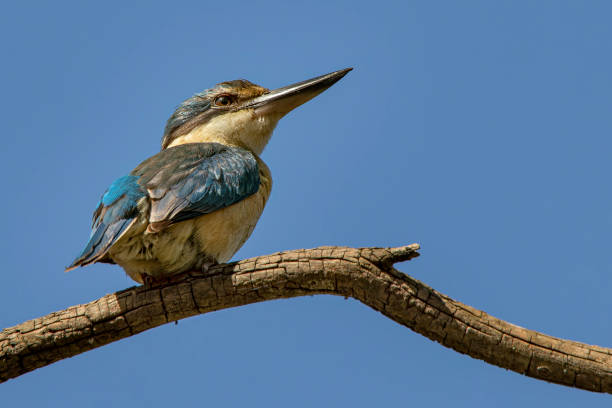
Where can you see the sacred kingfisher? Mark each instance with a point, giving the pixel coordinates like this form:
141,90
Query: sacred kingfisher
196,202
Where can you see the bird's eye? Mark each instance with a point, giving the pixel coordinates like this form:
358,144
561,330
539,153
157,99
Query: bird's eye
223,100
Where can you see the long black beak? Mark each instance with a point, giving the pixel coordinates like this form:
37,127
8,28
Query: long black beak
283,100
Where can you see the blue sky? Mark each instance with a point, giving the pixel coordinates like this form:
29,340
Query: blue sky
480,129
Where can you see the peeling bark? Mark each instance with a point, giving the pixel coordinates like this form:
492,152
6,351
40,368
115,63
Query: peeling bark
366,274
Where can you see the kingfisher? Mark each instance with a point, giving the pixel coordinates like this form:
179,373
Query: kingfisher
197,201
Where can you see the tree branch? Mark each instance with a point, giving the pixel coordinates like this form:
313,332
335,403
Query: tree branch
366,274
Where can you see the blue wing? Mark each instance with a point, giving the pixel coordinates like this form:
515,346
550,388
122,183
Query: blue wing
179,183
189,180
117,210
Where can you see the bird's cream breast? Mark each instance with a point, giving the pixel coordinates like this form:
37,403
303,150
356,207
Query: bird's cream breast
223,232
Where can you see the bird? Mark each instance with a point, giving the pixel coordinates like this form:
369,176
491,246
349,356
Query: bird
196,202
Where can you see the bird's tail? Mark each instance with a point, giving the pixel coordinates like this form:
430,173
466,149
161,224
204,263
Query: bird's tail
100,241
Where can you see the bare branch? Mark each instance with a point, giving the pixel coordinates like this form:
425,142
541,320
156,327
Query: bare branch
366,274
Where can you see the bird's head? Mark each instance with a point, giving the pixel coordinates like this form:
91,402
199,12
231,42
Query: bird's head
239,112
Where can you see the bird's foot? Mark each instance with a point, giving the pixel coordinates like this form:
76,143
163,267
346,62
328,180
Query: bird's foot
147,280
207,265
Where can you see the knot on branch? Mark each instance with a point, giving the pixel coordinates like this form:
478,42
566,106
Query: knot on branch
387,257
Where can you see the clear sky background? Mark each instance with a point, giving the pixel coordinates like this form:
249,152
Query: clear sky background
482,130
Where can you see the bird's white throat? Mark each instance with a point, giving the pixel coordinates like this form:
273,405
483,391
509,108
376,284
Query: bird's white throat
242,128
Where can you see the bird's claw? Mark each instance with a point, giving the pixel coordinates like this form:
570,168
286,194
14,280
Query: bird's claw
207,265
147,280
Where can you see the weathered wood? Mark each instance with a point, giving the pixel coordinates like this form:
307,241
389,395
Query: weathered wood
366,274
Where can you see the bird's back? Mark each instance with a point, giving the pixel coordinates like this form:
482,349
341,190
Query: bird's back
188,245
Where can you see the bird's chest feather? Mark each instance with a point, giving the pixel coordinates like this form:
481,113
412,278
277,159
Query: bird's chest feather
221,234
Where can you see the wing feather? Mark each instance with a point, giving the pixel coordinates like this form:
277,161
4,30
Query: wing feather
116,213
189,180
